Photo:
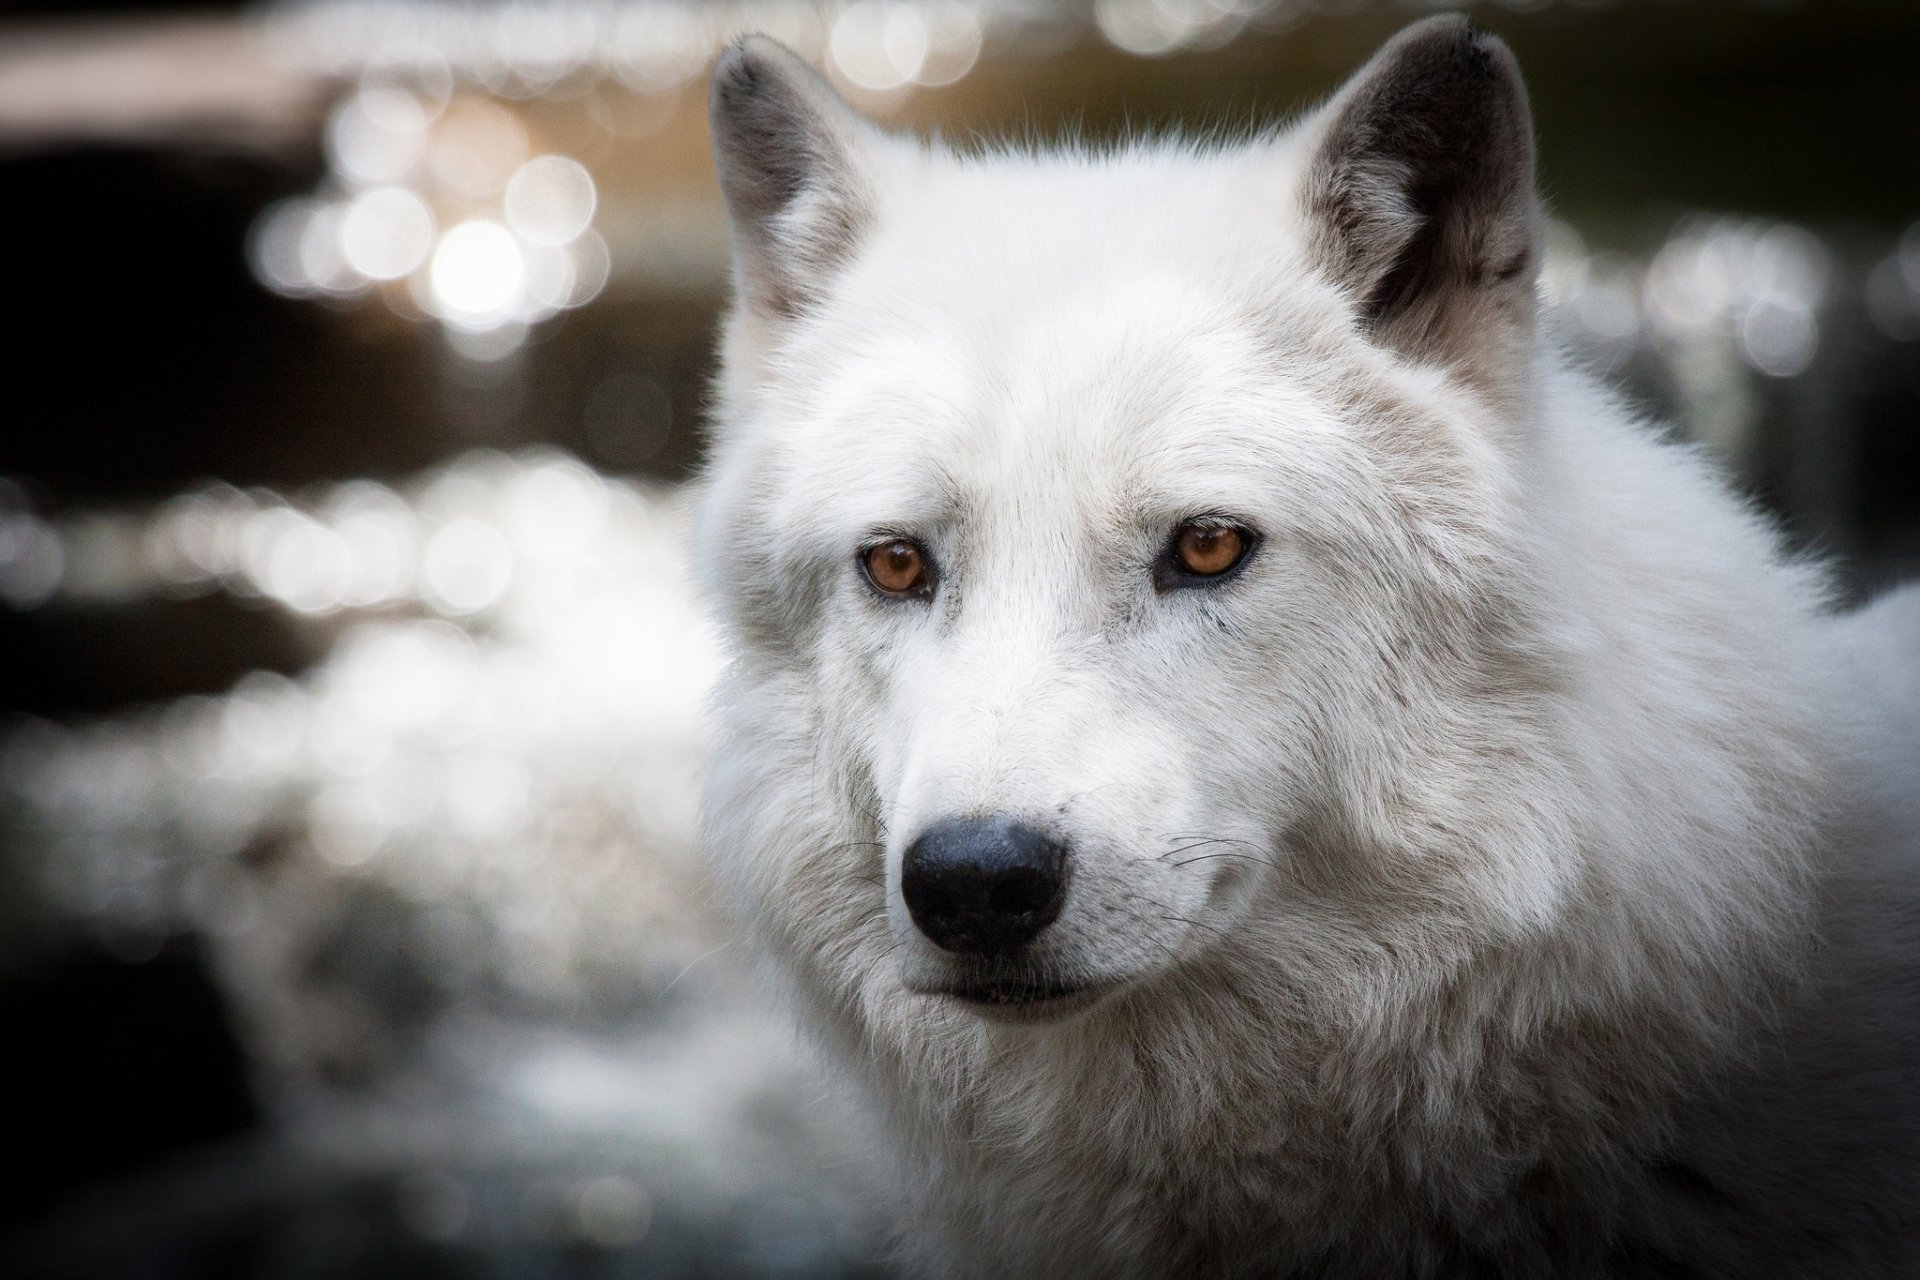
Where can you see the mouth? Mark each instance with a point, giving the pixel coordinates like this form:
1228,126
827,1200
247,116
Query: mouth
1023,1000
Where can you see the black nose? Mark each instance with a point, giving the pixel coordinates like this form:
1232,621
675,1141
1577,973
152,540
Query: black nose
984,886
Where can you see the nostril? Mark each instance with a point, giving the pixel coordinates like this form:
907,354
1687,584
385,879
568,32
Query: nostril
984,886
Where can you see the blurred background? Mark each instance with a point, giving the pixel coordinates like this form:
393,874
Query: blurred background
350,686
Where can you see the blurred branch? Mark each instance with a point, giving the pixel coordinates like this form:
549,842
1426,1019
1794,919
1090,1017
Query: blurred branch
203,83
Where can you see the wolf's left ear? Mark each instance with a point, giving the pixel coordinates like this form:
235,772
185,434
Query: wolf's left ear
1420,198
793,161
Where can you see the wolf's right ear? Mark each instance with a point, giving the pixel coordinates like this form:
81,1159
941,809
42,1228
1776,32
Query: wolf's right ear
793,161
1420,193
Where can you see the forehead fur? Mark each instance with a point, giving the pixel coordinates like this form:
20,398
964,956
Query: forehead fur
1052,222
1001,301
966,247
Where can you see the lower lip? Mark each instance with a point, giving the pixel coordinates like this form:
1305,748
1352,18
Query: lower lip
1045,1008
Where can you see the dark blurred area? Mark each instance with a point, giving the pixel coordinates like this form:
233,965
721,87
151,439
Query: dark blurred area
351,922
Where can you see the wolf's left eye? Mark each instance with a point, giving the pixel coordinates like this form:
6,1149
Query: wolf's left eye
1199,552
898,567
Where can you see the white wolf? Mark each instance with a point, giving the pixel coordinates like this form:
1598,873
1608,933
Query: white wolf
1262,768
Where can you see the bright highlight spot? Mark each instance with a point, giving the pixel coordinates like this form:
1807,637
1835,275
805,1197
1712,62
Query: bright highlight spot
476,148
377,135
477,275
954,39
468,567
1140,27
1779,337
551,200
323,263
386,233
879,47
31,561
273,246
592,267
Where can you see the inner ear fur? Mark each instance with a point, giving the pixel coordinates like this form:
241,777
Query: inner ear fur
792,160
1420,199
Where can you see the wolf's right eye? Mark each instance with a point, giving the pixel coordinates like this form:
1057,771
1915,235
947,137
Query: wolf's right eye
1206,551
1202,551
898,567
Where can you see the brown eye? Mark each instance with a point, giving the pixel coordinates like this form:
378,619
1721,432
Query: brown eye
898,568
1199,552
1208,550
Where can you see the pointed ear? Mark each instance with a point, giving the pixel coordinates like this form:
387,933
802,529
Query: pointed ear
1420,199
793,161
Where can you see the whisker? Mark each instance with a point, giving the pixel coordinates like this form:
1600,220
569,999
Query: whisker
852,844
1215,930
1192,842
696,960
1211,839
1244,857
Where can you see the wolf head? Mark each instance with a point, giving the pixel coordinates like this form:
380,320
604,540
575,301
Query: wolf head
1123,551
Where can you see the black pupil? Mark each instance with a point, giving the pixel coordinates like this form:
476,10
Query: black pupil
900,562
1205,545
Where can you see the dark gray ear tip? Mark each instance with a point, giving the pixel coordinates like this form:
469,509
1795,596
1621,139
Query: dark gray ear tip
734,79
1445,30
1442,77
1450,40
1439,26
745,70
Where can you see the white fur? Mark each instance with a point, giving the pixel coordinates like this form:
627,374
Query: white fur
1559,915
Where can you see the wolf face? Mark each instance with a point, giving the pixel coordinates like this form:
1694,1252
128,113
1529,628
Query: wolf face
1204,594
